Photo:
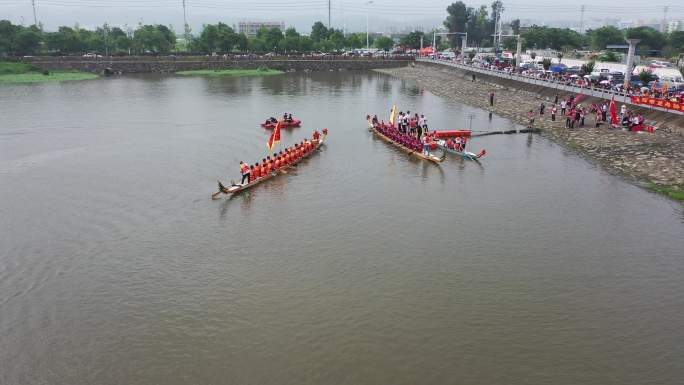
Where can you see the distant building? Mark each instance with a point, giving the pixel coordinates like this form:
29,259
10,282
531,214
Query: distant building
250,28
675,25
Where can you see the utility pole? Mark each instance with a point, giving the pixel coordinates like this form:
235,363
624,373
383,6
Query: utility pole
664,25
105,29
185,19
497,25
367,30
581,27
329,14
35,18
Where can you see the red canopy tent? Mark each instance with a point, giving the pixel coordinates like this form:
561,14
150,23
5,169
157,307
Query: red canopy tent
427,51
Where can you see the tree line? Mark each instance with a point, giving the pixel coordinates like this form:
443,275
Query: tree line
480,22
17,40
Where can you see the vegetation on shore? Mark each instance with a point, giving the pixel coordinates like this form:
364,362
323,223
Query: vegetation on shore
670,192
24,73
231,72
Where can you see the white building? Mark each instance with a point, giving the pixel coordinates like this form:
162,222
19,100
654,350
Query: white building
675,25
250,28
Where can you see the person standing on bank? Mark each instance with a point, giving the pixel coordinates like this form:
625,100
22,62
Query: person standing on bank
541,110
491,98
563,105
530,118
553,113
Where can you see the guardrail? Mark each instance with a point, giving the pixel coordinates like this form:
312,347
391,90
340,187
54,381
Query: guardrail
589,91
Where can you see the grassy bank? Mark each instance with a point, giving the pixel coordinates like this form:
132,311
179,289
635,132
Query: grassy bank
672,193
24,73
231,72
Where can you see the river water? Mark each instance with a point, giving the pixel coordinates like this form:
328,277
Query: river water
361,267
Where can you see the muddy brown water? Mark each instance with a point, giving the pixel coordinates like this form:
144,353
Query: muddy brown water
361,267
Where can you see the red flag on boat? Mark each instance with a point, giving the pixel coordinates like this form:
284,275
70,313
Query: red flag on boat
613,113
275,136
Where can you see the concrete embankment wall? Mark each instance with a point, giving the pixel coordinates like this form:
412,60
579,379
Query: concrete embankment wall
662,119
164,65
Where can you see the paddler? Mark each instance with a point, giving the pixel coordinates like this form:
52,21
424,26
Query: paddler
262,167
269,165
276,164
316,136
254,173
244,170
457,143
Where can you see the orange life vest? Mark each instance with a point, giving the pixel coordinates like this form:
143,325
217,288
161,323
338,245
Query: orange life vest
268,167
277,163
263,170
244,169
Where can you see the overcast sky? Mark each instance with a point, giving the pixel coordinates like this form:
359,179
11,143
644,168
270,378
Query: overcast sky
383,14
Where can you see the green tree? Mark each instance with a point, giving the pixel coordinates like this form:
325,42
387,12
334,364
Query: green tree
609,56
412,40
588,67
8,34
457,18
515,26
676,40
646,76
599,38
27,40
319,32
305,44
650,38
153,38
216,38
242,42
384,43
356,40
257,45
546,63
337,39
291,32
272,38
554,38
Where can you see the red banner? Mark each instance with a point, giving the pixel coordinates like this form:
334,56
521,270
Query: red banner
662,103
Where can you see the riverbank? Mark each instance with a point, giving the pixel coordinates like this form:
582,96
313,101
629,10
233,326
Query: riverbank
24,73
231,72
171,63
655,161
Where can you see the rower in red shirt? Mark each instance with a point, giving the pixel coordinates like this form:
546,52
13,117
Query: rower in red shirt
316,135
254,173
